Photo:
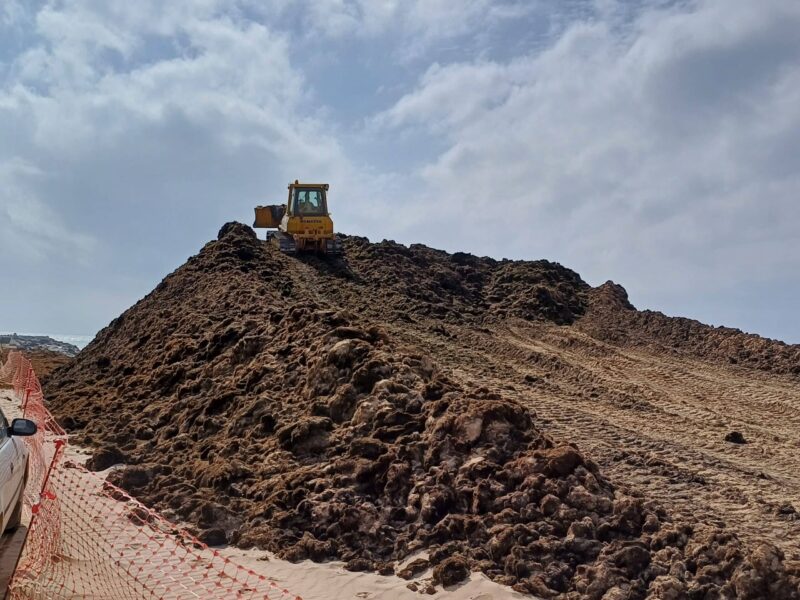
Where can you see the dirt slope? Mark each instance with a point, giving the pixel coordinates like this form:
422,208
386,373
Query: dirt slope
502,415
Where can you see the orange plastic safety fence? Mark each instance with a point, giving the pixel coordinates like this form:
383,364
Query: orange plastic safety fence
88,538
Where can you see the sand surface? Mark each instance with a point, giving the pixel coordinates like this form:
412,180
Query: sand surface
322,581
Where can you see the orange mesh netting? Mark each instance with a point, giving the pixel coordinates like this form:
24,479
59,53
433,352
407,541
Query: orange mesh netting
89,539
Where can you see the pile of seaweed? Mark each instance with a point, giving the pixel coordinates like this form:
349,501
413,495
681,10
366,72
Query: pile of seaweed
610,317
462,288
248,399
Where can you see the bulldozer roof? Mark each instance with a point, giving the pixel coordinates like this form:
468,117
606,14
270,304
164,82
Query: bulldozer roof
313,185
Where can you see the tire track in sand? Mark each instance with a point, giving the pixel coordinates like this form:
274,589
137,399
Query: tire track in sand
655,423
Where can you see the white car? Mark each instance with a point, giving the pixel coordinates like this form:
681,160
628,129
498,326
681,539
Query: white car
13,469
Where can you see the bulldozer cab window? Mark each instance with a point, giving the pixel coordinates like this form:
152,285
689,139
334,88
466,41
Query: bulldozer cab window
309,202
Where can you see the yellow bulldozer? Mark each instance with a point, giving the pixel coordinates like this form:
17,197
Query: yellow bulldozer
303,223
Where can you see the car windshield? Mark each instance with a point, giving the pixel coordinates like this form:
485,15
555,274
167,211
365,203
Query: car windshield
309,201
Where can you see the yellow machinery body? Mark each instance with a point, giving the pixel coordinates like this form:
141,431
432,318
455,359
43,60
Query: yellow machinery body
303,223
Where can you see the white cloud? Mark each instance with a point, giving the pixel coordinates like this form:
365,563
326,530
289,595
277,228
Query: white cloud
418,23
29,229
129,133
431,18
655,142
232,79
12,12
661,150
448,97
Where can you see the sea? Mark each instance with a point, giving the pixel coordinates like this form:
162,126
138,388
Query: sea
76,340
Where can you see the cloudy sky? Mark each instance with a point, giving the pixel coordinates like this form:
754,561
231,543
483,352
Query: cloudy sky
653,143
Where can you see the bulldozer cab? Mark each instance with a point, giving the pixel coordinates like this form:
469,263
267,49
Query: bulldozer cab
308,201
303,223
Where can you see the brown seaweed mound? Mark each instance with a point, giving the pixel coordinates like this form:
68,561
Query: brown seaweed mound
613,319
258,405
